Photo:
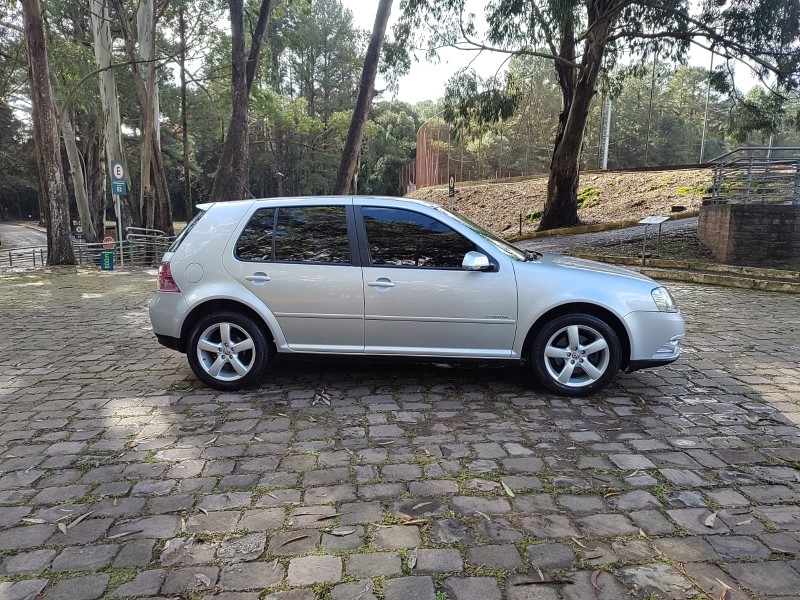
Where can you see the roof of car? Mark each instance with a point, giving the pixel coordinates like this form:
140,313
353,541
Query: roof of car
207,205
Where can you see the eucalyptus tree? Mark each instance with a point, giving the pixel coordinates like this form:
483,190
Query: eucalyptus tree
583,38
52,188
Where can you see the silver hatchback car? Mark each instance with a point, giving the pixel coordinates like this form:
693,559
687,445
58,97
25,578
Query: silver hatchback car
393,277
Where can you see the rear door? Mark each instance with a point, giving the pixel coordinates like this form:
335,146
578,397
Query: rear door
418,298
299,260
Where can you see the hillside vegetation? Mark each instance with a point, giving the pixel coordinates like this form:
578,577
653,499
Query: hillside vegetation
604,197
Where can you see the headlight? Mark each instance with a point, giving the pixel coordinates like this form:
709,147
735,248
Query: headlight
664,300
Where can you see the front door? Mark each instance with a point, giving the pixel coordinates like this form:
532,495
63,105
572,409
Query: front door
298,261
418,299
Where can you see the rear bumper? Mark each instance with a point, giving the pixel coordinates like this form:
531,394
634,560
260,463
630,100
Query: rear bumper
171,342
167,312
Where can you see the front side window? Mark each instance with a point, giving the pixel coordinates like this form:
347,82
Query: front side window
315,234
399,237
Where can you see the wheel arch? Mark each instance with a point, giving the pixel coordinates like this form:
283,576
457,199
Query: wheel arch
586,308
217,305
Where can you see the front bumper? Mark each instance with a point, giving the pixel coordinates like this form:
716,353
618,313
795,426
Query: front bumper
655,338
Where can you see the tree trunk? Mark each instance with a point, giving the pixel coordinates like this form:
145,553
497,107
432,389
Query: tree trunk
561,207
145,30
231,180
78,176
347,166
188,205
109,100
52,188
94,184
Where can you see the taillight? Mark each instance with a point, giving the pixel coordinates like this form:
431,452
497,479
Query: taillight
165,281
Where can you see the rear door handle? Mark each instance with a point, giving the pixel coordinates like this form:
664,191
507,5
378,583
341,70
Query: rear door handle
257,278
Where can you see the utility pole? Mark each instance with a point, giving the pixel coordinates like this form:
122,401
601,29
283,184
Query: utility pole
650,110
705,116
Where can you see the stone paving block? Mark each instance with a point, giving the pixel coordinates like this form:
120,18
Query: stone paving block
687,549
22,590
534,503
226,501
137,553
186,581
27,536
314,569
279,498
658,578
299,594
85,532
606,587
549,527
634,500
738,547
469,588
254,575
87,587
652,522
341,543
324,495
85,558
528,464
551,556
397,537
354,513
583,503
215,522
606,525
262,520
292,543
770,579
146,583
694,520
471,505
498,531
241,548
631,462
373,564
501,556
35,561
446,560
685,478
518,587
356,590
450,531
159,527
408,588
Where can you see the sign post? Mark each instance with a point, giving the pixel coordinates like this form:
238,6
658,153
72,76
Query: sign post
119,187
451,183
647,221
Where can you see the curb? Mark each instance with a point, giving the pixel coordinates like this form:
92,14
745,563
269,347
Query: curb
750,278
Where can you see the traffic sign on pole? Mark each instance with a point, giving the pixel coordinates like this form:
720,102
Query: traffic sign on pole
117,171
108,243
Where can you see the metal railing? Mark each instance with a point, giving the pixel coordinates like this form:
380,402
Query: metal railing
141,248
758,174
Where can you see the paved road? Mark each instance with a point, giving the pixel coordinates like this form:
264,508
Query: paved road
17,236
560,243
122,476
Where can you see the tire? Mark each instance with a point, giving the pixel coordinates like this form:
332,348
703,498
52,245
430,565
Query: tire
575,355
229,368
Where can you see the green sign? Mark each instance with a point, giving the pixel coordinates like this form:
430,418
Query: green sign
119,188
107,260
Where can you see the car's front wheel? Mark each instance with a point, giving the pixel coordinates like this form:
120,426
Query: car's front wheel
575,355
227,351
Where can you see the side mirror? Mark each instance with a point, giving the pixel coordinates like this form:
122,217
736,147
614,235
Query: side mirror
475,261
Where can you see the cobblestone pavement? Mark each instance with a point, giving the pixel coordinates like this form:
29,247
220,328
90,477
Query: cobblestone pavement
122,477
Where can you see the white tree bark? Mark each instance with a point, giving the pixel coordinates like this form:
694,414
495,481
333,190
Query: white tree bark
78,175
108,98
145,31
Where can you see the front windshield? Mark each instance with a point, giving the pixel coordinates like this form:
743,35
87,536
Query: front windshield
497,242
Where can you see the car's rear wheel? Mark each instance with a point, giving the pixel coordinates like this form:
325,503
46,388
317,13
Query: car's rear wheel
576,355
227,351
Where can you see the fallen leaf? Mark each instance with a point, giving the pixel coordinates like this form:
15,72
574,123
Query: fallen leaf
415,522
386,443
710,520
282,415
204,579
79,519
579,544
203,510
507,489
341,532
595,575
62,528
211,441
541,575
611,494
593,555
114,501
544,579
412,559
477,512
421,504
747,522
121,535
272,495
258,439
33,521
294,539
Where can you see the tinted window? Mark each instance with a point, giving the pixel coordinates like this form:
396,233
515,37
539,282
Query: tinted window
312,234
406,238
255,243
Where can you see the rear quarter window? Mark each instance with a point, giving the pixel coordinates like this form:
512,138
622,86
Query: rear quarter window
186,230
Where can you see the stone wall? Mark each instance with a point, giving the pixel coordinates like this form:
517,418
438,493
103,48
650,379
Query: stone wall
751,234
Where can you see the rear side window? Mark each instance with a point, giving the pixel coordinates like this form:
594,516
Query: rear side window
315,234
404,238
186,230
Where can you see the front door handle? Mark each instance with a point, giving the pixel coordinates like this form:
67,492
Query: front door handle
382,282
257,278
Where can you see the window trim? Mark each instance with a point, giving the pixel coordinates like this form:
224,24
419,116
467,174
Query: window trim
366,257
351,237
